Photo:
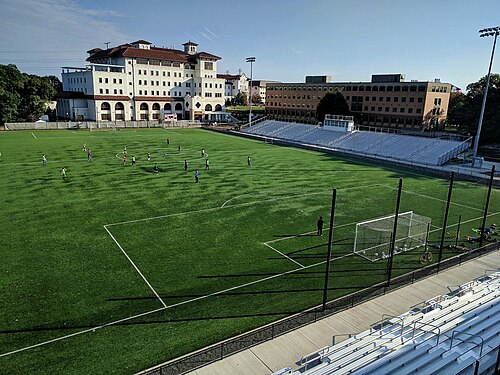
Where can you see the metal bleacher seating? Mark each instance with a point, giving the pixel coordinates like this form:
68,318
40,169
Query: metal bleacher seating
382,145
457,333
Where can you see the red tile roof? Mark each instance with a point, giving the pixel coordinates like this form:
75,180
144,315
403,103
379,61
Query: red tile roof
155,53
229,76
189,43
141,41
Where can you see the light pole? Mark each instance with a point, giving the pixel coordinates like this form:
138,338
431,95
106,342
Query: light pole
251,60
492,31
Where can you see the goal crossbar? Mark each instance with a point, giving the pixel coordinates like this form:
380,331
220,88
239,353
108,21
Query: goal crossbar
372,239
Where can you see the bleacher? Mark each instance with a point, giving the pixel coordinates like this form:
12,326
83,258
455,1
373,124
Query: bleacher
456,333
405,148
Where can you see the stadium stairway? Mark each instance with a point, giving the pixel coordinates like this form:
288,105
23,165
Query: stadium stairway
408,327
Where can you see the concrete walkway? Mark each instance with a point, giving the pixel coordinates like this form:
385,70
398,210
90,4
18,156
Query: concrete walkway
286,350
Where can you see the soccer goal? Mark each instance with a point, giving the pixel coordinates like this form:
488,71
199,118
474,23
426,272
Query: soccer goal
268,140
372,239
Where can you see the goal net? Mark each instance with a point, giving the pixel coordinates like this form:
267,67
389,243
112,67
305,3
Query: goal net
372,239
268,140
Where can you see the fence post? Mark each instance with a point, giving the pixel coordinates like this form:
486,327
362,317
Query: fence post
483,227
445,221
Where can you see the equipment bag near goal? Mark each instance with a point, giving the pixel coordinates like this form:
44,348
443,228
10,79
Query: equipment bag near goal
372,238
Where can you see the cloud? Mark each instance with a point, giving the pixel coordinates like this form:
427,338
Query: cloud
42,35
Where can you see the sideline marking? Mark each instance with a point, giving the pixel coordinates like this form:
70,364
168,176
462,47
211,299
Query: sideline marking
286,256
168,307
34,136
137,269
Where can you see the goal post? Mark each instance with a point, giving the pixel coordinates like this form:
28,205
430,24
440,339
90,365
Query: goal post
372,238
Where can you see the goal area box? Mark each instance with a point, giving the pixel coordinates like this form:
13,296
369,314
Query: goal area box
373,237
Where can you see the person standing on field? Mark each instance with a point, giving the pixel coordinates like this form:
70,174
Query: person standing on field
44,160
207,164
185,165
320,224
133,160
249,161
124,159
149,156
196,177
63,173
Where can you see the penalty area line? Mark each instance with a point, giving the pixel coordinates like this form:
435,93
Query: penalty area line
167,307
136,268
286,256
34,136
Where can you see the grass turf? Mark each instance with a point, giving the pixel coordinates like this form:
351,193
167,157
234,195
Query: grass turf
202,247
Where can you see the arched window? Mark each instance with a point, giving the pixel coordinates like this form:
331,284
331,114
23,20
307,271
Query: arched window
105,106
167,107
144,107
119,106
178,107
156,107
208,108
218,108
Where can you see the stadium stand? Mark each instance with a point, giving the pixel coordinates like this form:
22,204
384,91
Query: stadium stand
419,150
456,333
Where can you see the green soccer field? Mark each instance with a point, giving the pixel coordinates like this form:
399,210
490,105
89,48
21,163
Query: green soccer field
116,268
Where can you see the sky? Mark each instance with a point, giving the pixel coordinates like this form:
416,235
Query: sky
347,39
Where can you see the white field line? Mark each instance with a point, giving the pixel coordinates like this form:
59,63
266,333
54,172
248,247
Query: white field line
236,205
229,200
137,269
286,256
81,332
440,200
168,307
34,136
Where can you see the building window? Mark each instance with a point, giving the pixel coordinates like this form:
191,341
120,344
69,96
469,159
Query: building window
418,110
402,110
115,91
372,109
386,109
107,91
379,109
394,109
209,66
100,79
106,80
410,110
403,100
419,100
140,92
100,91
114,80
388,99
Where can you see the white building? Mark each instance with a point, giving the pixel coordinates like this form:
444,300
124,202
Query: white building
259,88
138,81
234,85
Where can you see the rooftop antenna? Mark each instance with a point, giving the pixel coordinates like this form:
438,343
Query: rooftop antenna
107,44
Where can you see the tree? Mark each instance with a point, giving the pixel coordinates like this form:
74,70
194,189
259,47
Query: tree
11,82
23,97
240,99
464,110
477,88
332,104
256,99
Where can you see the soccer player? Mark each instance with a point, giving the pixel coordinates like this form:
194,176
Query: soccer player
249,161
44,160
202,152
179,149
207,164
84,147
168,142
124,159
124,150
185,165
133,160
320,226
156,169
89,155
196,177
63,173
149,156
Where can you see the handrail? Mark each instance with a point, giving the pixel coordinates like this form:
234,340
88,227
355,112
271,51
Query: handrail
426,324
463,341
